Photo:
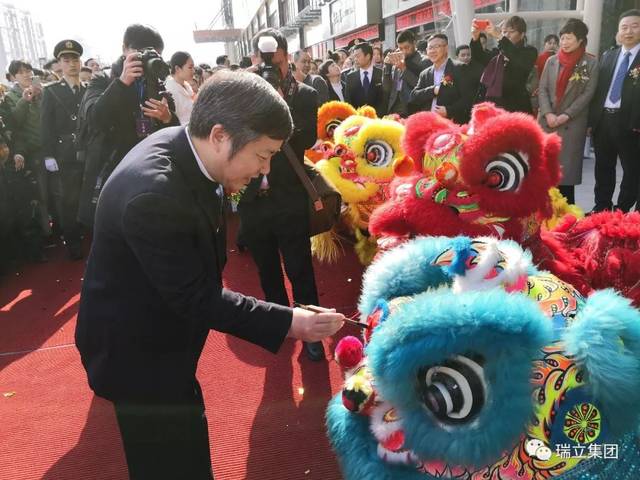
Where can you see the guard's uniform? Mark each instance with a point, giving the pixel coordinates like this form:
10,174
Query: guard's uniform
59,115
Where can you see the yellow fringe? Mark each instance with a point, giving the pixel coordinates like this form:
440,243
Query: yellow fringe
561,207
366,247
326,246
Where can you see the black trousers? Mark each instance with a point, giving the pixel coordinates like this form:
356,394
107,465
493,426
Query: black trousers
613,140
568,192
64,187
269,232
166,440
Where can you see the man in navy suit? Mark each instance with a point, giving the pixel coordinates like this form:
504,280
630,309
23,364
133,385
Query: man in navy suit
614,118
153,285
364,84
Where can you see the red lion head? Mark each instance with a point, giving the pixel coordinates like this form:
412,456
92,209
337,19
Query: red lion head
490,177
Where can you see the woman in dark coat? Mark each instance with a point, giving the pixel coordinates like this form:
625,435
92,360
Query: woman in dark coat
330,71
506,68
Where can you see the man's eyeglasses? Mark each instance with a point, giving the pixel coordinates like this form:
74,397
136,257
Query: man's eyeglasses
435,47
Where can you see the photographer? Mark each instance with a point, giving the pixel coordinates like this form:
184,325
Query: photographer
402,69
118,112
273,209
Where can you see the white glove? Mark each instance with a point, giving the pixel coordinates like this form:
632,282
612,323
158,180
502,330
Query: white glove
50,164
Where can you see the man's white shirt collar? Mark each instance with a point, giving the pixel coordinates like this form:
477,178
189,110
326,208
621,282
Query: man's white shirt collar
195,154
370,71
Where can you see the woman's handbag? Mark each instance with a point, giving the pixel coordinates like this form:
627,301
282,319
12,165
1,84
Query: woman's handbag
324,199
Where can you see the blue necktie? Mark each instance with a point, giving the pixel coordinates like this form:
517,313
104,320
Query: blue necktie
616,90
365,81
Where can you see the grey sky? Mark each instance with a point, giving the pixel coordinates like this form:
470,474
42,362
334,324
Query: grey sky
99,26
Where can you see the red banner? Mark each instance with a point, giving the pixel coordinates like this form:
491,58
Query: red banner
414,18
485,3
368,33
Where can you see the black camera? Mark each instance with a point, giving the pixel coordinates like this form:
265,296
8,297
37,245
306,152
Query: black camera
153,65
267,70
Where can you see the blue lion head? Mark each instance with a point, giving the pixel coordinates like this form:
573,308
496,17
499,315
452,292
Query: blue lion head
479,366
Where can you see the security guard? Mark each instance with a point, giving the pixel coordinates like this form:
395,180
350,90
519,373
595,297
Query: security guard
60,103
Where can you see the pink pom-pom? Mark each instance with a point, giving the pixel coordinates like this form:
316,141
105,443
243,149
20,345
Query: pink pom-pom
349,352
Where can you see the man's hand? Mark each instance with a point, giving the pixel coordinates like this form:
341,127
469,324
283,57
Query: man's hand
28,94
562,119
18,161
312,327
551,119
50,164
442,111
131,69
157,109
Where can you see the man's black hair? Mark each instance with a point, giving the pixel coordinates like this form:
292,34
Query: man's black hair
461,47
630,13
86,69
421,46
221,59
86,62
178,59
245,62
441,36
245,104
270,32
49,64
365,48
551,36
406,36
298,54
16,65
205,66
140,36
483,35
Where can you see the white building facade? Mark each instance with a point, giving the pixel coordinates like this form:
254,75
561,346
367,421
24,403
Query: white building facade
320,26
20,37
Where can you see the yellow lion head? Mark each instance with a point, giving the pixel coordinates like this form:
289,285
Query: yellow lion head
363,159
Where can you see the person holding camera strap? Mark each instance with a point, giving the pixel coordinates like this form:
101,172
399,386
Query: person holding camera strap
121,111
274,208
59,113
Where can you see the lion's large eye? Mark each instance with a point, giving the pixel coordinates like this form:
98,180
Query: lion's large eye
454,391
330,127
378,153
507,171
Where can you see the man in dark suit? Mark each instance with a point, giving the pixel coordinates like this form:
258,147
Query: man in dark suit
401,71
59,114
153,285
274,210
302,61
364,84
443,88
614,118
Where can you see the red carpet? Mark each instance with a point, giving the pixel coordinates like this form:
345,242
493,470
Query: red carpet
266,412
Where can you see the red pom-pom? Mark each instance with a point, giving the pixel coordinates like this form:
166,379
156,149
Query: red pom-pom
349,352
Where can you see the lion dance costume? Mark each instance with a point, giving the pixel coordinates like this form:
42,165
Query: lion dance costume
493,177
480,366
360,163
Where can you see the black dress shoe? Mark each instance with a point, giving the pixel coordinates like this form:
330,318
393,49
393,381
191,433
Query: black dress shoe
598,210
314,351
